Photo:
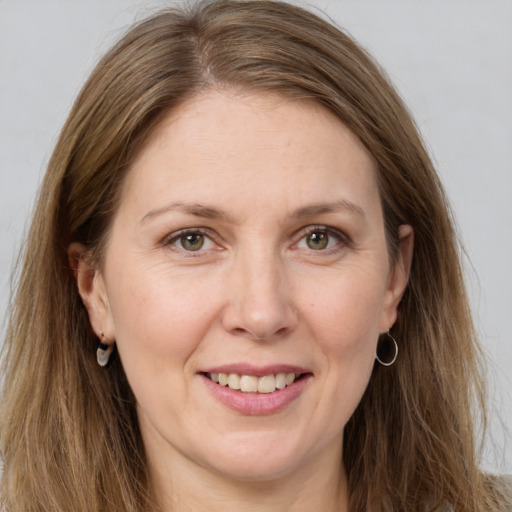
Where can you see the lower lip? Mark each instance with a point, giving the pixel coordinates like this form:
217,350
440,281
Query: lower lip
257,403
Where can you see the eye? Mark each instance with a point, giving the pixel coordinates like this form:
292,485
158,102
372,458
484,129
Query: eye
317,241
320,239
191,241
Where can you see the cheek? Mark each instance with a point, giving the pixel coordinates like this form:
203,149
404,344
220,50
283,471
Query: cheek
345,316
345,324
158,313
160,320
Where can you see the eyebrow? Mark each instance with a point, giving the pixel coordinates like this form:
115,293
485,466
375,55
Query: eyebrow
210,212
335,207
195,209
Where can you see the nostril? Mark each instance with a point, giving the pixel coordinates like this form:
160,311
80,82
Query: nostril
280,333
259,320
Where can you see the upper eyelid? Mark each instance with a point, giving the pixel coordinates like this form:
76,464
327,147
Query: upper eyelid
218,239
189,231
170,239
301,233
344,240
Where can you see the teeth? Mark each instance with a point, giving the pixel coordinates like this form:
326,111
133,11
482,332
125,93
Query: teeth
253,384
248,384
281,380
234,381
267,384
290,378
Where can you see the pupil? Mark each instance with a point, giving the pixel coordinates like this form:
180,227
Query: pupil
192,242
318,241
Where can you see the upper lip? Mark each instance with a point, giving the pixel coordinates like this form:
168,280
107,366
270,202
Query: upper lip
257,371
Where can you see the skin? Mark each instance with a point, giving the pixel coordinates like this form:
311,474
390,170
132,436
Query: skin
244,171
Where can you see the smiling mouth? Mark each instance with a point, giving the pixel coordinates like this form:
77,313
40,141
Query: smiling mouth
252,384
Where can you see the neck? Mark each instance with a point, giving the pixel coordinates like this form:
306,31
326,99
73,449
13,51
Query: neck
184,487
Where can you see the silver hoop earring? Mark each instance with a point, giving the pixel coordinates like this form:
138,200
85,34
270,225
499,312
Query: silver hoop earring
104,351
386,359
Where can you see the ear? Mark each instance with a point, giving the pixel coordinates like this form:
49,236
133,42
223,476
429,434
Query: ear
91,288
398,278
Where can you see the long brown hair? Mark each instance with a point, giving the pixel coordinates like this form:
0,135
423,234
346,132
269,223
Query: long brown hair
69,432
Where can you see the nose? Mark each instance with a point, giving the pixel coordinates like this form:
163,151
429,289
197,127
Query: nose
260,299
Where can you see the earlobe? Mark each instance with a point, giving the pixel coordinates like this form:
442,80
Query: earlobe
398,277
91,288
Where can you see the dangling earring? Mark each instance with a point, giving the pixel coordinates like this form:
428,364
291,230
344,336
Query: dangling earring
385,358
104,351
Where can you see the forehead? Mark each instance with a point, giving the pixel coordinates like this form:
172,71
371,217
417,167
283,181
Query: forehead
249,147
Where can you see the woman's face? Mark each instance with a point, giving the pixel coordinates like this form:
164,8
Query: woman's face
249,246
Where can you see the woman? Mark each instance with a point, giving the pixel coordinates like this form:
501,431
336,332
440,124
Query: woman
241,287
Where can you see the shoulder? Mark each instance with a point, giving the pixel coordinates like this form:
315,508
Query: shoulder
503,485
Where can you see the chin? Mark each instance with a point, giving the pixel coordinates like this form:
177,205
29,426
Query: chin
257,460
259,470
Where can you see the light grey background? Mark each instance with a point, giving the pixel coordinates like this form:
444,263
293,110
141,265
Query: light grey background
451,60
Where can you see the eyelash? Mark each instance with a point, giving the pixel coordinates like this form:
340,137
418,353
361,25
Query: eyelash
172,239
343,239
